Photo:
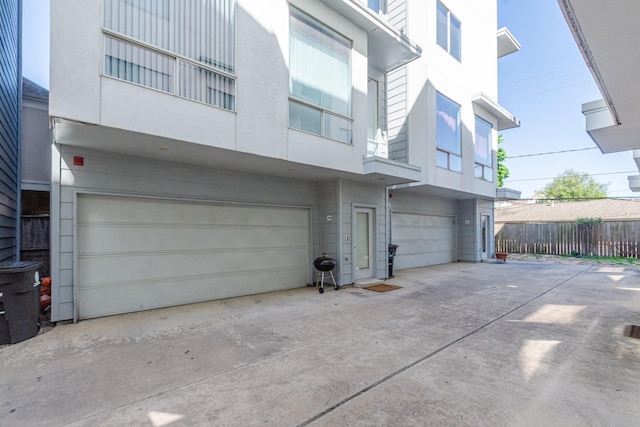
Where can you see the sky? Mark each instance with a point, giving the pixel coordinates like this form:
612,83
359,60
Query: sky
544,85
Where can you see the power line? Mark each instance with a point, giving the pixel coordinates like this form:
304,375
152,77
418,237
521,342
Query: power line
551,152
533,64
546,91
524,84
578,198
502,84
554,177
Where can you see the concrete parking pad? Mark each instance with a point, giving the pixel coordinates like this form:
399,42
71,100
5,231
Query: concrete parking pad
513,343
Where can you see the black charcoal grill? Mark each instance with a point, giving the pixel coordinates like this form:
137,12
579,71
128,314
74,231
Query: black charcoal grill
325,264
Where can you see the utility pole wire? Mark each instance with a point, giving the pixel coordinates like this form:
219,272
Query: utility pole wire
551,152
591,174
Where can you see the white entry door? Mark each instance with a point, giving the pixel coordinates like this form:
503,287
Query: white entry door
363,243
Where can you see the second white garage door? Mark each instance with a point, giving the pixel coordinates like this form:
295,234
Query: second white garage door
137,254
423,239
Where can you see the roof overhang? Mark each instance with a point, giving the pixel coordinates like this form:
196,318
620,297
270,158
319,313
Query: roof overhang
634,180
154,148
610,137
387,48
506,120
508,194
391,172
507,43
610,56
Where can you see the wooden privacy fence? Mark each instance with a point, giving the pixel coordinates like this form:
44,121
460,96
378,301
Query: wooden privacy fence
608,238
35,240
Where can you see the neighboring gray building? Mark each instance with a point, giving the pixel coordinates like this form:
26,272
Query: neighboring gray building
35,162
10,99
36,138
207,149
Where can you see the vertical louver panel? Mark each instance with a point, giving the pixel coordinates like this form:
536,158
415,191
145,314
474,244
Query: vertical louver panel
196,31
138,65
201,30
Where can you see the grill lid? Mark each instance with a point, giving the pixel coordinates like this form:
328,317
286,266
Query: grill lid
324,263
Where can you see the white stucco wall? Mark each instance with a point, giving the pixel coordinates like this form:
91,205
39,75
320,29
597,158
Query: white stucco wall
437,71
260,124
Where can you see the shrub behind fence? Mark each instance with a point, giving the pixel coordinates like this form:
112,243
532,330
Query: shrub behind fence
609,238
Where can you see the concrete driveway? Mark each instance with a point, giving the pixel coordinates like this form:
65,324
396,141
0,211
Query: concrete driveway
519,344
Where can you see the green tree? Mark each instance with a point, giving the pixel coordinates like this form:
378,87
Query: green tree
571,186
503,171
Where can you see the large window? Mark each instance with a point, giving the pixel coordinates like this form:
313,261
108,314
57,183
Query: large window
484,152
448,135
319,79
449,32
378,6
182,47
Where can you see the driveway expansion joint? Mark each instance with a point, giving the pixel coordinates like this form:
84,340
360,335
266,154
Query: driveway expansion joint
435,352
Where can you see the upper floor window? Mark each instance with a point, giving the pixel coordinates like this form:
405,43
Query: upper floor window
448,135
183,47
449,32
319,79
484,152
378,6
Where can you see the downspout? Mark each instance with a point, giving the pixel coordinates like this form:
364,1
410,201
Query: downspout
387,207
339,249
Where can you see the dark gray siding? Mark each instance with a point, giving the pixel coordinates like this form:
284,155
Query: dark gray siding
10,99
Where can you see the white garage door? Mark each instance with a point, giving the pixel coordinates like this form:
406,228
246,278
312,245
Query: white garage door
137,254
423,239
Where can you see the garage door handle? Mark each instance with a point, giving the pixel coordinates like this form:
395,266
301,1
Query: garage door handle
2,312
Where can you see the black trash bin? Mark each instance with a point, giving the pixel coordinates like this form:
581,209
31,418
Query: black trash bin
19,301
392,255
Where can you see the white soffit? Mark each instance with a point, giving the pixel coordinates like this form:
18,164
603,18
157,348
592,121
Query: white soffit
506,120
388,48
606,34
507,43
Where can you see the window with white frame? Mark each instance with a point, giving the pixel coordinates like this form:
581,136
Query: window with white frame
319,79
449,35
448,134
378,6
484,152
182,47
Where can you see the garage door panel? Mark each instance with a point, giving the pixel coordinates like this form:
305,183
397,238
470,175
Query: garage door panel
158,265
136,254
109,239
112,211
423,239
157,294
